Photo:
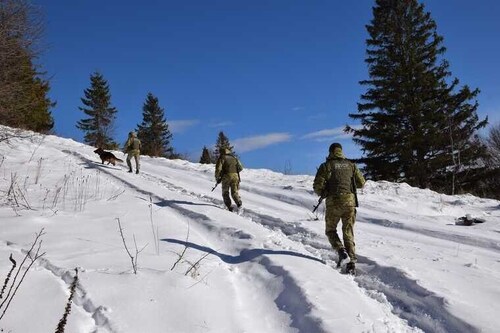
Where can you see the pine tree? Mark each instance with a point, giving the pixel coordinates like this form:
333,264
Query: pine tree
24,100
415,127
153,131
205,156
38,117
222,142
99,126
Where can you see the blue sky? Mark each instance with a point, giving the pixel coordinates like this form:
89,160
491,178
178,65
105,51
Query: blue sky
279,77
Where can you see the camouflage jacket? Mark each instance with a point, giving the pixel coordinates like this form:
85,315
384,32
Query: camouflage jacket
227,164
133,145
334,179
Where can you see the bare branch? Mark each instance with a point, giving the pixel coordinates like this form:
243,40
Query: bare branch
33,258
6,282
133,259
183,251
67,309
196,264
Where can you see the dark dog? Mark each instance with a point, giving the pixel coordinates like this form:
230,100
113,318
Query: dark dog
106,156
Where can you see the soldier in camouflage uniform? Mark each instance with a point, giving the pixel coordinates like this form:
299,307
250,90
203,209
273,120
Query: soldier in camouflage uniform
337,179
133,149
227,171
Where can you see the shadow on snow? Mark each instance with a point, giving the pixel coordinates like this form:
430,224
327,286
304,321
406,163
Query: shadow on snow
244,256
410,301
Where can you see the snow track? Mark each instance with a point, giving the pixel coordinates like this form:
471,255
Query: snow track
476,241
411,302
268,268
98,313
420,307
293,300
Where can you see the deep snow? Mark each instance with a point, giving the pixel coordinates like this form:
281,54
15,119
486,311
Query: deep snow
267,269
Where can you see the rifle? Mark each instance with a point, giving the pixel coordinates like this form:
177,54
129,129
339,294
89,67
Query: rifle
354,191
218,182
320,200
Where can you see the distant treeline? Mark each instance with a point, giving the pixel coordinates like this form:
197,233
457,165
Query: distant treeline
416,123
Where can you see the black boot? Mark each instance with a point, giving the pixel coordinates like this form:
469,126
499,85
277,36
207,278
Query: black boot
129,170
342,256
351,268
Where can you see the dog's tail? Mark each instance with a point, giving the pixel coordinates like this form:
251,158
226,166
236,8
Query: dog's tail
118,160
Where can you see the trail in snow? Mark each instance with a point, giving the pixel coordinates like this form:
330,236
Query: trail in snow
98,313
420,307
410,301
475,240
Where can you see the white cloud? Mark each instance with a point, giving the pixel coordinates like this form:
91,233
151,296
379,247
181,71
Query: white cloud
221,124
179,126
330,134
325,133
259,141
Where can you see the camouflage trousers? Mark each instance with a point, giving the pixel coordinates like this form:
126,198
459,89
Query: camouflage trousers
136,156
335,213
231,182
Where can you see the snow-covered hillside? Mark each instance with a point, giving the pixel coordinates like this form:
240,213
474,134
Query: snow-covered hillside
204,269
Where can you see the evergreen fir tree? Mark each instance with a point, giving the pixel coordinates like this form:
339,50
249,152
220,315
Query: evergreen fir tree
99,126
24,101
38,117
153,132
222,142
178,156
205,156
415,127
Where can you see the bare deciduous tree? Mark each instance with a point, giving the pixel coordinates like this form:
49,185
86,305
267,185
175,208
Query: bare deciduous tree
493,144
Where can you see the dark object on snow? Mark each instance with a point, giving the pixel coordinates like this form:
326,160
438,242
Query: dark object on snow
353,189
218,182
107,156
468,220
350,268
320,200
342,253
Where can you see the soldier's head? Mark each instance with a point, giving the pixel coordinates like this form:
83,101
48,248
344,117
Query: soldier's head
225,151
132,134
334,146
